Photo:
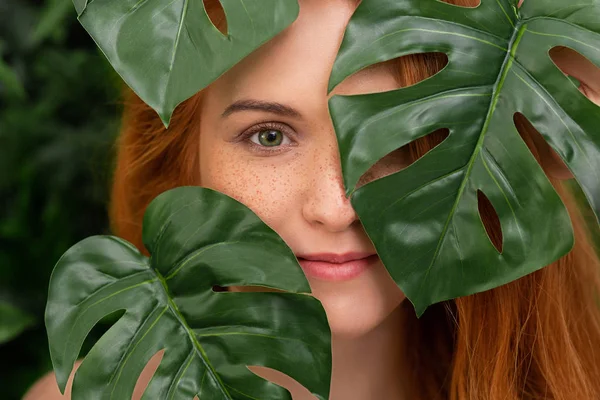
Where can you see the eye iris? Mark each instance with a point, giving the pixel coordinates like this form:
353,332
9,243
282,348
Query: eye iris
270,138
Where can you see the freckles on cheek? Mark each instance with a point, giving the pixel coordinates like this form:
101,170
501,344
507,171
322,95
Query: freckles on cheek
261,186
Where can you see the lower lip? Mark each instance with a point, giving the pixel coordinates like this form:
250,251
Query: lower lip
337,272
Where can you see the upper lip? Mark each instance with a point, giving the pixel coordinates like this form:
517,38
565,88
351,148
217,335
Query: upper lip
335,258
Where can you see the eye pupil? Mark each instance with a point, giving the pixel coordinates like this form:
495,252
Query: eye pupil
270,137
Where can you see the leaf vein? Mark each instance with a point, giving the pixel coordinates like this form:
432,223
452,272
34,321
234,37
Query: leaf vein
129,353
592,169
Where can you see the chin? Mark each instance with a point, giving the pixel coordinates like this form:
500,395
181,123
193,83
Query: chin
357,307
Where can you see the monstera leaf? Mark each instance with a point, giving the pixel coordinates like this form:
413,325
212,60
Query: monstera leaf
167,51
424,220
197,238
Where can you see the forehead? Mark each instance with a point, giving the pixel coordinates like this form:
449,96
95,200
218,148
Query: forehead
297,63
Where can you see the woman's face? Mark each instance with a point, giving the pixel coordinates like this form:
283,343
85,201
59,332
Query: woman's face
282,160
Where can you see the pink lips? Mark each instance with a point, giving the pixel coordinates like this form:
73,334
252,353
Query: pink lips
336,267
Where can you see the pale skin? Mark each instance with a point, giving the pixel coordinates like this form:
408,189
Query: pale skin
296,188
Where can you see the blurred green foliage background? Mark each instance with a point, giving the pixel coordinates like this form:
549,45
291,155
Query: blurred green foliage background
59,115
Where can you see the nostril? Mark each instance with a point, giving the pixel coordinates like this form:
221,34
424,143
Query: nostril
331,211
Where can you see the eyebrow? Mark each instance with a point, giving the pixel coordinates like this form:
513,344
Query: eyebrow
258,105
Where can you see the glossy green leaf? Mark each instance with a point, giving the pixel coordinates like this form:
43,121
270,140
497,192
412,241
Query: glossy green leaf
424,220
589,218
167,51
197,238
13,321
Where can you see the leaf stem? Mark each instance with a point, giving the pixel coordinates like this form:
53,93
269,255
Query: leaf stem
192,336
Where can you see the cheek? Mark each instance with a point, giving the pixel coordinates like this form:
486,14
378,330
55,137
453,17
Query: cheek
268,188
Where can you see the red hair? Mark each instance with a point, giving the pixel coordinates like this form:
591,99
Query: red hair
535,338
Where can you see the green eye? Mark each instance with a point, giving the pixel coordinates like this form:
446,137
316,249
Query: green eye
270,138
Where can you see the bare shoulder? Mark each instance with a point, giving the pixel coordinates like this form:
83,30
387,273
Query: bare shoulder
46,387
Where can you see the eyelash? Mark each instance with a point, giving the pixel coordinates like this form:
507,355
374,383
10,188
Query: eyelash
263,126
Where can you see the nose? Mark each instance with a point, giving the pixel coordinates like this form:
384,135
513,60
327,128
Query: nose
326,204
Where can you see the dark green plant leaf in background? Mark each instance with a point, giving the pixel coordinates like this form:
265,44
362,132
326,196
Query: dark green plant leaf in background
56,156
52,16
197,238
424,220
10,83
167,51
13,321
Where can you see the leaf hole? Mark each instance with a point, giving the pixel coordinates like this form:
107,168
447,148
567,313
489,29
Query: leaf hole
585,74
281,379
546,156
261,289
416,68
404,156
219,289
216,14
463,3
397,73
490,220
147,374
99,330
